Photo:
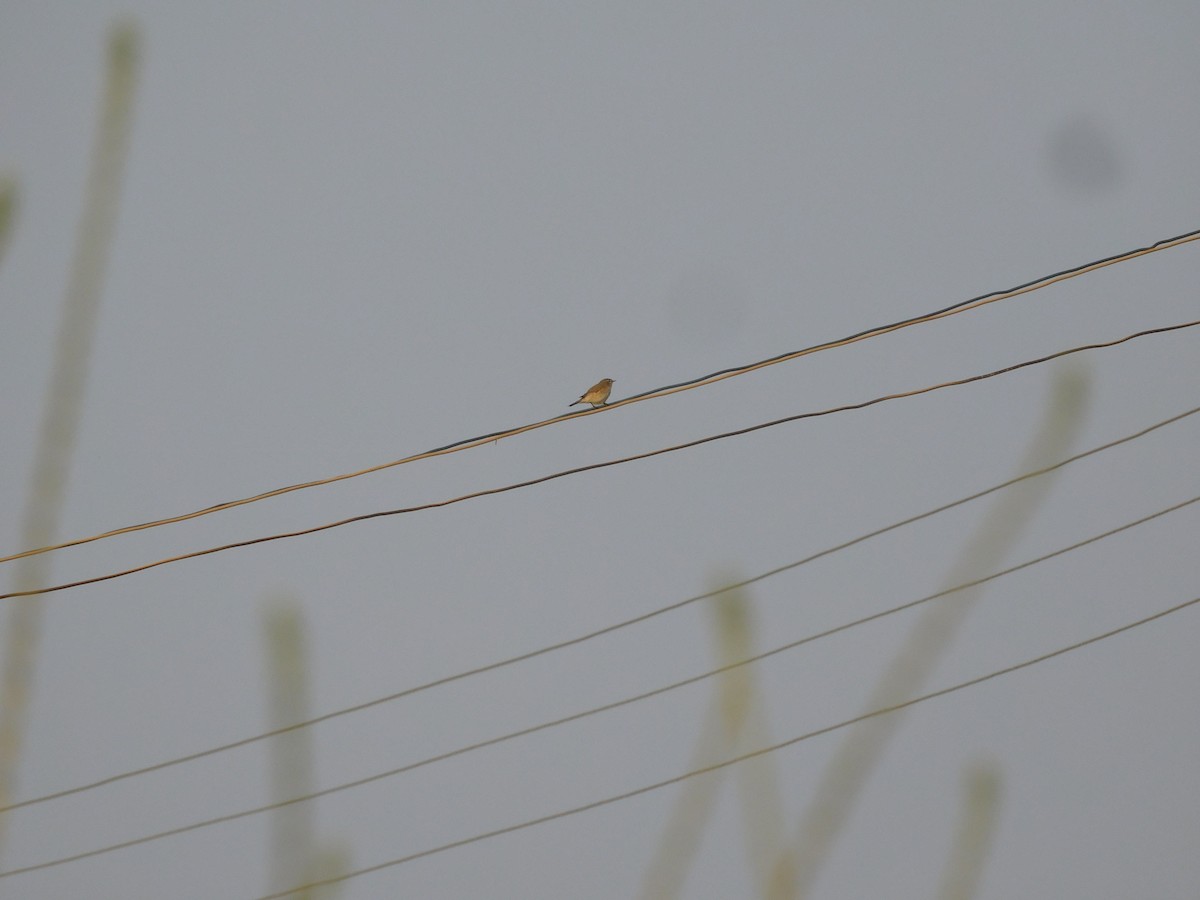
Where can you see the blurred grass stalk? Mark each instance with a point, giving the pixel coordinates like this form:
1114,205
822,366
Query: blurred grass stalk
291,753
861,749
735,720
64,400
295,857
8,210
734,723
973,841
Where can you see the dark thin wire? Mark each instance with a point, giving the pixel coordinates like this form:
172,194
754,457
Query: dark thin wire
512,660
645,789
721,374
487,492
626,701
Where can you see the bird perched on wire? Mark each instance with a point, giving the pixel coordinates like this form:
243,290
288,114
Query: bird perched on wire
597,394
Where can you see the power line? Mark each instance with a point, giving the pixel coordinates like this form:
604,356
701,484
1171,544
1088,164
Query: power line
591,635
645,789
720,375
608,707
487,492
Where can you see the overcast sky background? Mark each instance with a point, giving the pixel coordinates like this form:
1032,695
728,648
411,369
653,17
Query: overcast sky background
350,232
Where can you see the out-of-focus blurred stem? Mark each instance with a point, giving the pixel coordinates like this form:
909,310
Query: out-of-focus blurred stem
734,721
296,855
291,753
64,400
973,840
8,211
863,746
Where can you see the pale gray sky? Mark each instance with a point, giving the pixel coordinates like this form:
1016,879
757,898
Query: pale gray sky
349,232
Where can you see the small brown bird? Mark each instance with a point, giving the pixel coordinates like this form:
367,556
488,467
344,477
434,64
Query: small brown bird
597,394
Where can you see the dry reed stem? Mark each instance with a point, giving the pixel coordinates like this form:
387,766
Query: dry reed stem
863,746
64,400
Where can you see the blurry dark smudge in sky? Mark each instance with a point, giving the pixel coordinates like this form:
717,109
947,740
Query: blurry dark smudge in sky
1082,157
